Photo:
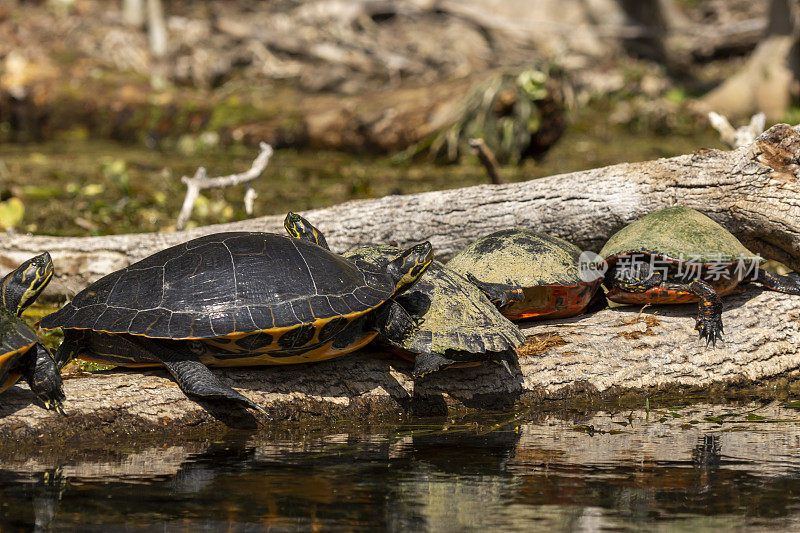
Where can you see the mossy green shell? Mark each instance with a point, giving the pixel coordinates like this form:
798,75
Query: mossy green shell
455,315
522,257
678,232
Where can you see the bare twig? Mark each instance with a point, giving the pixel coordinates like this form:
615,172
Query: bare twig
200,182
487,159
742,136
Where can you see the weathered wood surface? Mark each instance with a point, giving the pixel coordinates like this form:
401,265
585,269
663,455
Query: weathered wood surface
753,191
600,354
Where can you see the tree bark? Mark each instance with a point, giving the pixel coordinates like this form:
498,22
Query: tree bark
601,355
753,191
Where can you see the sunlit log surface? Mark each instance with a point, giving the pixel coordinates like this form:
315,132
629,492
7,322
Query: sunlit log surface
601,355
753,191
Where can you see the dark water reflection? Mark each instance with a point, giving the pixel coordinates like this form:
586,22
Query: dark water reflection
696,468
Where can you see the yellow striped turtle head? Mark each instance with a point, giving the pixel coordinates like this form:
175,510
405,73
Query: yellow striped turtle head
22,286
409,266
300,228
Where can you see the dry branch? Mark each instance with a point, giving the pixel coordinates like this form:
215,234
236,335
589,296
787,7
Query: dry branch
199,182
487,159
741,136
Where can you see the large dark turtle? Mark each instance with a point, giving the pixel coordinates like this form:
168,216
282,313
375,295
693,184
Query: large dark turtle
21,354
232,299
678,255
545,268
457,322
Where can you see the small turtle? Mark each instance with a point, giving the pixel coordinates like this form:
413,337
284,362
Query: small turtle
233,299
21,353
678,255
457,322
543,268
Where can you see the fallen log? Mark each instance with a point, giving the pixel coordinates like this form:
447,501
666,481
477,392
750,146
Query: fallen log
602,355
752,191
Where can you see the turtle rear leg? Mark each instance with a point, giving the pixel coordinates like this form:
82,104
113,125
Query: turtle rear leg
43,377
789,284
427,362
193,377
500,294
709,316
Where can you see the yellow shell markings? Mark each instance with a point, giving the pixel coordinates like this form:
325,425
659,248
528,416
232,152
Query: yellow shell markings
12,378
275,331
677,232
14,375
546,268
226,344
322,353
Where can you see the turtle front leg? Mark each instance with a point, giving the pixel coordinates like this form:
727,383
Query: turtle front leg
500,294
789,284
394,323
43,378
709,312
427,363
193,377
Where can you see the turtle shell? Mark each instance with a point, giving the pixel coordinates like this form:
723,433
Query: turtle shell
16,338
455,316
225,285
545,267
679,233
679,239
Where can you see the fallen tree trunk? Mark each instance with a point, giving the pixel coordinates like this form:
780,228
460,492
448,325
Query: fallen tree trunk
752,191
604,354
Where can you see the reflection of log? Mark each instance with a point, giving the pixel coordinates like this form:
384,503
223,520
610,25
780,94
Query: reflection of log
753,191
597,355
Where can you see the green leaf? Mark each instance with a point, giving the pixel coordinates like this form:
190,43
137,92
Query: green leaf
11,212
715,419
793,405
754,418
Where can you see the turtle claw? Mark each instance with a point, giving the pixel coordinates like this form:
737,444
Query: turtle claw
710,329
53,405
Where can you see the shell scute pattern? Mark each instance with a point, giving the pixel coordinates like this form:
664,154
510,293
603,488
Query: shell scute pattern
524,257
214,286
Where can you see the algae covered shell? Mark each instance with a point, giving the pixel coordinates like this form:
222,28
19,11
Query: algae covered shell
677,239
678,233
454,315
546,268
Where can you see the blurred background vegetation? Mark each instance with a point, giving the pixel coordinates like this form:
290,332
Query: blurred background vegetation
104,105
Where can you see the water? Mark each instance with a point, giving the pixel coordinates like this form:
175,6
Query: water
701,467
